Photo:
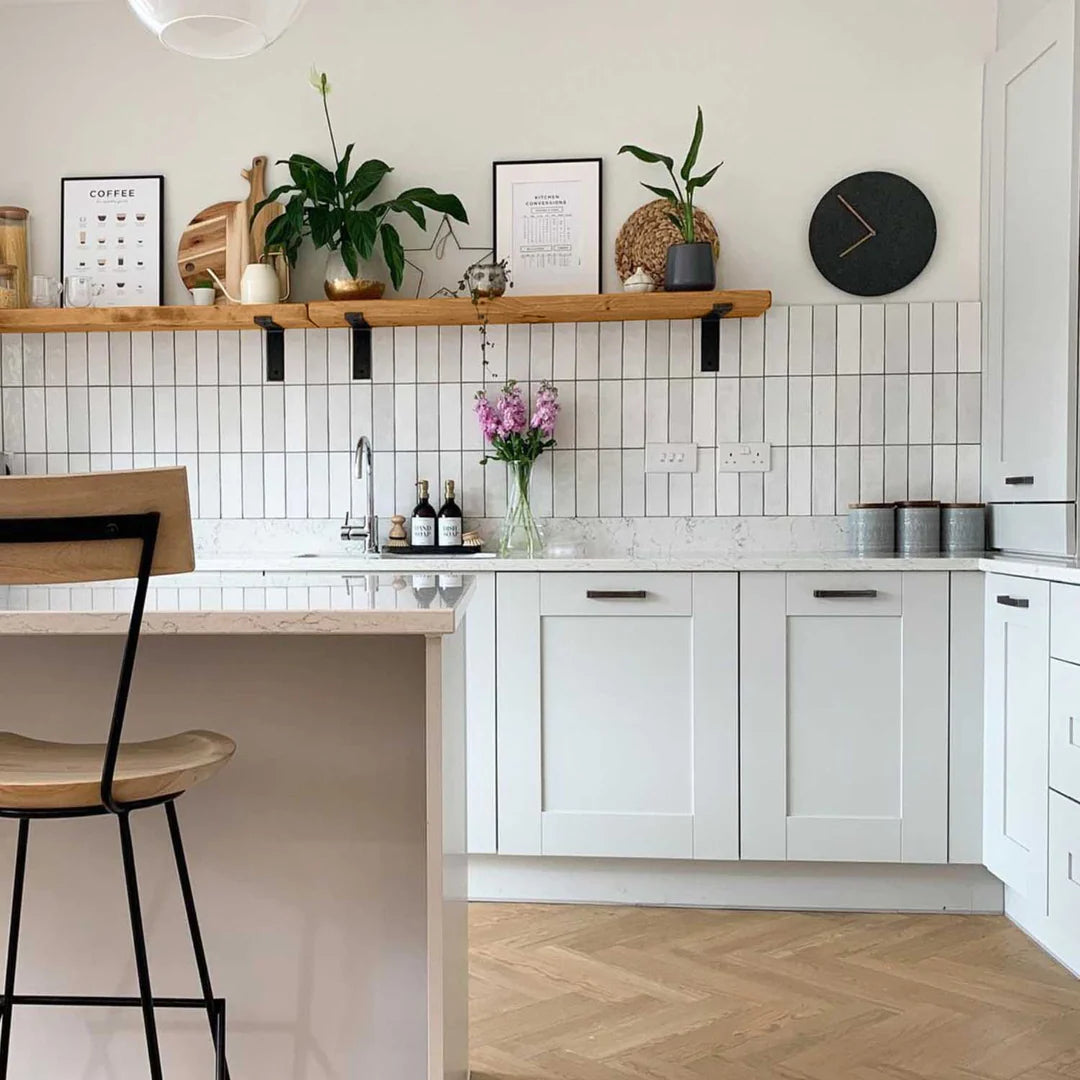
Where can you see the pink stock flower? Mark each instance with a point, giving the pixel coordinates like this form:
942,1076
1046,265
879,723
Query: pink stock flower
512,410
486,415
546,410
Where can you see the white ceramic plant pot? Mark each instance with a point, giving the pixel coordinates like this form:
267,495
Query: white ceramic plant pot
203,297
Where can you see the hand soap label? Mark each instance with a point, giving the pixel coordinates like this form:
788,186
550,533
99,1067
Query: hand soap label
449,532
423,532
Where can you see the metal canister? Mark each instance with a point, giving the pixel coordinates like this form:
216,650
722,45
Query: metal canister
963,527
918,528
871,528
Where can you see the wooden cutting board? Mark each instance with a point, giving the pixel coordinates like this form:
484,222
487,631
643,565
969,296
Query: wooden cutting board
219,239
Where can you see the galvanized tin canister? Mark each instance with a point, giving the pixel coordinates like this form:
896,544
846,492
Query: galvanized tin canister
918,528
963,527
871,528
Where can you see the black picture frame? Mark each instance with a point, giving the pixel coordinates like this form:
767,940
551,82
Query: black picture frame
499,252
152,300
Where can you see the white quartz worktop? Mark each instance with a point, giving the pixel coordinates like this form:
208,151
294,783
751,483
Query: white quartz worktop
1040,567
704,562
246,602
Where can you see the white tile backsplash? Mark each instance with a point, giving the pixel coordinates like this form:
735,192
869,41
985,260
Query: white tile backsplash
859,401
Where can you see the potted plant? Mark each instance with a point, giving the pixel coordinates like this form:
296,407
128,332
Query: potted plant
327,205
203,292
691,264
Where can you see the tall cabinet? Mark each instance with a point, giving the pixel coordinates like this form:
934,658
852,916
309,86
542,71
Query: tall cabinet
1032,217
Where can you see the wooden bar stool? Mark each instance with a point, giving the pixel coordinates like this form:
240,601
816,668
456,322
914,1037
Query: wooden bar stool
100,527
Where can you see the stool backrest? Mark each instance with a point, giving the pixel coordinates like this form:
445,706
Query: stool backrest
91,496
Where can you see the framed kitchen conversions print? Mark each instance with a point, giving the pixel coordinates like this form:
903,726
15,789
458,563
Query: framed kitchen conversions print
112,232
547,224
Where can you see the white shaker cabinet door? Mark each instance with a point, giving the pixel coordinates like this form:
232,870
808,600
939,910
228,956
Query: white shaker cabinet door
618,715
1015,751
1032,203
844,716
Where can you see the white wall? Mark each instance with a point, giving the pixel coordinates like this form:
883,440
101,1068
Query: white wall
1012,15
796,95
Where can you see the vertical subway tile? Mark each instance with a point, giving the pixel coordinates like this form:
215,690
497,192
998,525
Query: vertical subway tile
588,349
610,403
251,419
776,409
730,347
385,487
656,410
228,359
564,483
164,358
542,483
339,418
78,422
252,478
383,435
100,436
78,364
968,473
611,350
727,410
680,410
920,472
847,477
633,413
183,357
752,347
190,462
823,410
338,356
588,483
405,416
206,358
776,484
969,336
56,420
776,341
751,494
142,419
427,416
450,418
680,495
273,411
681,348
945,337
317,426
704,483
541,353
896,338
848,339
295,485
295,358
518,352
872,408
704,425
752,410
382,354
823,499
610,505
472,486
295,418
873,338
800,340
495,489
896,409
187,420
657,358
872,474
360,422
11,362
824,339
799,410
656,495
944,480
318,485
164,419
921,338
969,407
564,349
142,359
451,357
566,426
209,466
427,354
34,359
316,361
251,357
232,486
404,354
848,391
727,494
896,473
208,419
120,419
921,409
799,481
945,408
633,480
634,350
471,436
56,361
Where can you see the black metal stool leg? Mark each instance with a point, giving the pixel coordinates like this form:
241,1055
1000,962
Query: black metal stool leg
13,944
215,1010
142,967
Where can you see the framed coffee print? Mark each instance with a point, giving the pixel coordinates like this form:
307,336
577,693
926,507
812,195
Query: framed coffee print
547,224
112,238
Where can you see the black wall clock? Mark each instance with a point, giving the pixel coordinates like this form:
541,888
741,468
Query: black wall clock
873,233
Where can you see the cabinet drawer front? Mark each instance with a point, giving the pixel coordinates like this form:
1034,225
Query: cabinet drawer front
1020,600
845,593
1065,622
1064,899
1065,728
616,594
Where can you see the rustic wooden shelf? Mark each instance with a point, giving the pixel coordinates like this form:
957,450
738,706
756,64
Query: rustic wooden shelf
606,307
82,320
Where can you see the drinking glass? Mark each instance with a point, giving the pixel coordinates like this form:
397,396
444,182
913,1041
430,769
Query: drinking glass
80,291
44,291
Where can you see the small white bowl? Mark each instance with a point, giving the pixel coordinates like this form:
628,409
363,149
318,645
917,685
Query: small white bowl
203,297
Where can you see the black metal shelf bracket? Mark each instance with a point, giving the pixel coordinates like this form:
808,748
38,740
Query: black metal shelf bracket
710,336
361,344
275,348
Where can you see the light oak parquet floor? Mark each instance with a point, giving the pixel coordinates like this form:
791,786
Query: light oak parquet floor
623,993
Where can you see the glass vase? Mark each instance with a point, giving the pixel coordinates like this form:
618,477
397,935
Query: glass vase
339,284
521,537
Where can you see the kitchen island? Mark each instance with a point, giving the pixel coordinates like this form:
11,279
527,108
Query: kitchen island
328,860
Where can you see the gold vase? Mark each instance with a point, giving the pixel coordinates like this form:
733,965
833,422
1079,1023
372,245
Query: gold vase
341,285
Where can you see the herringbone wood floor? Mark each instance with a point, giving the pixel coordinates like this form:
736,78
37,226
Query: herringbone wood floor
605,993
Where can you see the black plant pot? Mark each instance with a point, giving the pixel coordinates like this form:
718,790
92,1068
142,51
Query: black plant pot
690,268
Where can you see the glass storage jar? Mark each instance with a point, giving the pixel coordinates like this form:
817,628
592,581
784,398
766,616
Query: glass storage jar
9,293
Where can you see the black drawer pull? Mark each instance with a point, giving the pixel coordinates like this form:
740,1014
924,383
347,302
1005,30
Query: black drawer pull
616,594
845,594
1015,480
1013,601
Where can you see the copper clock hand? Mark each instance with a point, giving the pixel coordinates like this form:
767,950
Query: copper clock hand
869,236
863,220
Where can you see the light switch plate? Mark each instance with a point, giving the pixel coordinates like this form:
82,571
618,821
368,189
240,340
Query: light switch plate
744,457
670,457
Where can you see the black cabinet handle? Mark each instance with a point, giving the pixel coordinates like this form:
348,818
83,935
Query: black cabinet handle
1013,601
1018,480
845,594
616,594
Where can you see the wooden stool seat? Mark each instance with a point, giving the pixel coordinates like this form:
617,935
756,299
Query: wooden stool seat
39,775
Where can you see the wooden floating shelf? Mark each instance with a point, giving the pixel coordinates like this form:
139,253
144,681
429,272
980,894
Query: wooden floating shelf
90,320
606,307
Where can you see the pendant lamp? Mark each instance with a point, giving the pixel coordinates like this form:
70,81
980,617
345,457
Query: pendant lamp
217,29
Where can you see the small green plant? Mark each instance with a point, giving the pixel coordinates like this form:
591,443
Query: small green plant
682,201
327,205
204,283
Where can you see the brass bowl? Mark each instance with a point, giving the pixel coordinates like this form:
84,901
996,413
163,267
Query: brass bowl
354,289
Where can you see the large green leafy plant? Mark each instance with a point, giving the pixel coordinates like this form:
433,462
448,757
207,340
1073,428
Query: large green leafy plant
682,201
327,205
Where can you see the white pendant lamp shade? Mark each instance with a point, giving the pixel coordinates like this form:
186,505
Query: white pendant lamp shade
217,29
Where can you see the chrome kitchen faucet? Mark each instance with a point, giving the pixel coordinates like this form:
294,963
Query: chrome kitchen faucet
369,531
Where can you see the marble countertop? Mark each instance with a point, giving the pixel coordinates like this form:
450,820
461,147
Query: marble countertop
344,562
314,601
1041,567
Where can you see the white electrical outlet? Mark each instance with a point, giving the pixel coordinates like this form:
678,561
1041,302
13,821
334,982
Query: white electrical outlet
670,457
744,457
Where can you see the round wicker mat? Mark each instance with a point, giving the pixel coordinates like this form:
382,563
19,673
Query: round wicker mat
647,234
